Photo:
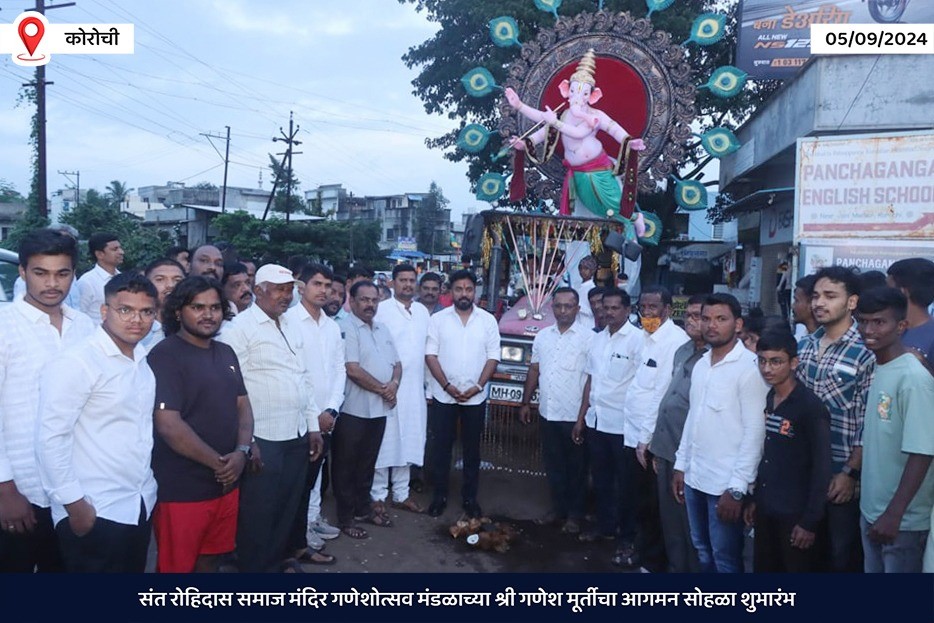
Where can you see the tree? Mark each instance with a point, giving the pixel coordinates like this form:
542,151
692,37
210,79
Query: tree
284,203
463,42
99,212
116,192
428,215
32,217
336,243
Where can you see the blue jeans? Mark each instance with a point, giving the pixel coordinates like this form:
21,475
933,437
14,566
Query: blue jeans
719,545
902,556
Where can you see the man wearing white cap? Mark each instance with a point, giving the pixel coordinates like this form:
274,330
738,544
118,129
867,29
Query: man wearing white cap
285,415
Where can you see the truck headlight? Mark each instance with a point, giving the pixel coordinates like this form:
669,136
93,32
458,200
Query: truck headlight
514,354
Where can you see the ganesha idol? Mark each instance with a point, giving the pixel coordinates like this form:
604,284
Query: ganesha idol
591,183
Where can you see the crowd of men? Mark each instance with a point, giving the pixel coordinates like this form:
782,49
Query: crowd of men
209,402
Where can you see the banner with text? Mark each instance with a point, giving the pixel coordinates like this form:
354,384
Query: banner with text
867,186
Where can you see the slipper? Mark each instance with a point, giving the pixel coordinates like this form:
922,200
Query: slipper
290,565
310,557
355,532
383,521
409,505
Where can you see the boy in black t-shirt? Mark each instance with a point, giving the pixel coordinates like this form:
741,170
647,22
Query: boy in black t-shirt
794,473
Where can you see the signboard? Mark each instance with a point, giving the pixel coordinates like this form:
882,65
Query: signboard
776,225
865,255
406,244
870,186
775,35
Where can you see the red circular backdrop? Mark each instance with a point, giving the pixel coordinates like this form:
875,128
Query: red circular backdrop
624,97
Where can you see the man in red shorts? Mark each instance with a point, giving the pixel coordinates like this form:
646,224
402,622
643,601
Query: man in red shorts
204,426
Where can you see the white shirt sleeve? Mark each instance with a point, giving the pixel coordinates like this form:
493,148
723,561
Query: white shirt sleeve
752,395
492,339
433,344
663,374
65,389
86,297
339,371
6,468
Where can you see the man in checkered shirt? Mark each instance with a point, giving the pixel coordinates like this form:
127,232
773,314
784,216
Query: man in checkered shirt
837,366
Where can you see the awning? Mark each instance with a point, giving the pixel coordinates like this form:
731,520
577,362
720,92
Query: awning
760,199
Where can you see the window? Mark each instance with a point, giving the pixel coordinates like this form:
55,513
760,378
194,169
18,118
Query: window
390,234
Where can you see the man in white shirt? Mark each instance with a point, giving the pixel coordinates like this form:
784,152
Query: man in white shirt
723,438
33,330
285,422
559,360
324,359
95,436
614,357
462,352
587,268
404,439
106,250
237,288
165,274
661,338
374,373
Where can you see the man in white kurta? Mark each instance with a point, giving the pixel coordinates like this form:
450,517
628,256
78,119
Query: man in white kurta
404,438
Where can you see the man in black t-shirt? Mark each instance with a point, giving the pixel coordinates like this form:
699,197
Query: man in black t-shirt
794,473
204,426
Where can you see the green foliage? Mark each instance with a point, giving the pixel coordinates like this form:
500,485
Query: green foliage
283,202
428,215
31,218
98,212
336,243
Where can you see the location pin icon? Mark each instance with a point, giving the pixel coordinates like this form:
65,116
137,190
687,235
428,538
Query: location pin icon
31,41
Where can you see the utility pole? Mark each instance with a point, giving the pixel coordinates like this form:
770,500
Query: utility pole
289,140
42,189
226,164
77,175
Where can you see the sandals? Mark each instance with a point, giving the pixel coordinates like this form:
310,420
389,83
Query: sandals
355,532
311,557
409,505
377,519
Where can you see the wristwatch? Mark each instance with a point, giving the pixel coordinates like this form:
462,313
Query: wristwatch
736,494
849,471
247,450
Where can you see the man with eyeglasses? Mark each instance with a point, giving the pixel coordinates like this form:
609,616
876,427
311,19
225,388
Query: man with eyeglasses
94,437
203,424
794,473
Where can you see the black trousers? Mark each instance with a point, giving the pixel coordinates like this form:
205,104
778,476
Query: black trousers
444,419
269,501
772,551
841,538
566,468
109,547
649,540
613,485
36,551
299,536
355,446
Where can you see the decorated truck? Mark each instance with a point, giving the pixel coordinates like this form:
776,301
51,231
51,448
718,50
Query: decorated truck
525,257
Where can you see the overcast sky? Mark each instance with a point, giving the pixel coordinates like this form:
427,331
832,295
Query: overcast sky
203,64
